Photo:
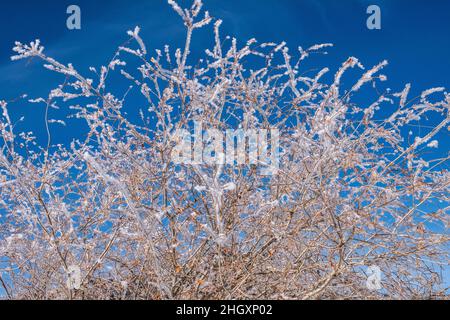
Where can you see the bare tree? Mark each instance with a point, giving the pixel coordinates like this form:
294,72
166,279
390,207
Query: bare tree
352,189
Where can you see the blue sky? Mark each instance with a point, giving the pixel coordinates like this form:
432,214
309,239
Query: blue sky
414,39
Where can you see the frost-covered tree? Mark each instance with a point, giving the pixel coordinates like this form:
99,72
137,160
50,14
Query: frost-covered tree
353,189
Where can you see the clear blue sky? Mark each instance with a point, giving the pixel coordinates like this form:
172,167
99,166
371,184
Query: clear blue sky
415,39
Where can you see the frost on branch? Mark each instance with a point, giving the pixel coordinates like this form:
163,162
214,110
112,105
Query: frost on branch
24,51
354,189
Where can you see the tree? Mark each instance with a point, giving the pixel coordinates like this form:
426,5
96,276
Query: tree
352,191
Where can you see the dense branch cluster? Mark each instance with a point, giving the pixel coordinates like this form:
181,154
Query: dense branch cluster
352,189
